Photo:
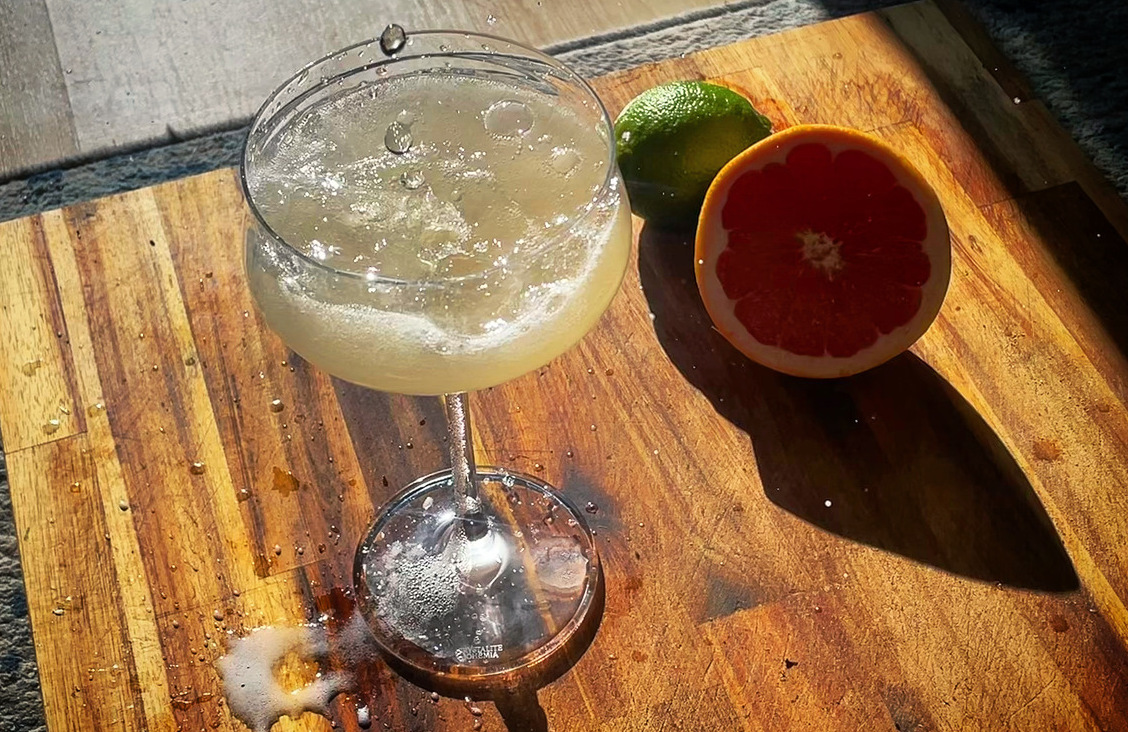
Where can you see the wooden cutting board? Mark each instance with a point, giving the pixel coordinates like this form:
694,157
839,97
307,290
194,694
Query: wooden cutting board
941,543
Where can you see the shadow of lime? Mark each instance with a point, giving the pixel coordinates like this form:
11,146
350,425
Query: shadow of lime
894,458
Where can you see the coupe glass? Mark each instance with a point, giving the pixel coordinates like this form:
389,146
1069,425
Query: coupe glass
471,573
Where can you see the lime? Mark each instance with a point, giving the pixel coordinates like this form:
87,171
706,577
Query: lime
673,139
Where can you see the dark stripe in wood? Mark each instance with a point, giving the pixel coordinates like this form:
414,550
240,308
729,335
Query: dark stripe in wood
148,411
57,321
396,438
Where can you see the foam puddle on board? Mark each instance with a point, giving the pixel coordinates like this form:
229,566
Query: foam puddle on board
251,686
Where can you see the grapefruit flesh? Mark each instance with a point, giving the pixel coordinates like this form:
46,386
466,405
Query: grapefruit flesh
821,252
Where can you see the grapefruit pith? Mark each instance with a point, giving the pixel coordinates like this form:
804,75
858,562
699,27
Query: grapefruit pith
821,252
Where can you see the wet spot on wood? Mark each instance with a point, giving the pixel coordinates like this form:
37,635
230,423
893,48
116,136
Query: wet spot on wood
284,481
1046,450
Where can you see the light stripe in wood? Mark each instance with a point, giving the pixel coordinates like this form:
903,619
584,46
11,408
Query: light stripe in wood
136,607
37,399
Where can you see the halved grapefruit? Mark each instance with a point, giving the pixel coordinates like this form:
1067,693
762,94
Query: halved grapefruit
821,252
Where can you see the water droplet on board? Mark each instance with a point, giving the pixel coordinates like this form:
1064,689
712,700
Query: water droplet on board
217,614
392,40
276,405
591,507
197,468
123,505
52,426
59,611
491,20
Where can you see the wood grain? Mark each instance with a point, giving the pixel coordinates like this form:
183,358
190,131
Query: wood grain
939,543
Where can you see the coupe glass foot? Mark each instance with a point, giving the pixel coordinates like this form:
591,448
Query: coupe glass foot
478,603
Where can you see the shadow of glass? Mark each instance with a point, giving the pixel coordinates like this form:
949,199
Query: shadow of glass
894,457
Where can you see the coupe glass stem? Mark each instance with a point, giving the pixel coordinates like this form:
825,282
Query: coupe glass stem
462,465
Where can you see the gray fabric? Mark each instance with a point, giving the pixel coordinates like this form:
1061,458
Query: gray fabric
1070,51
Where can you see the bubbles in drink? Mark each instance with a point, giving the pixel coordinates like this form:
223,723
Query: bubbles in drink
453,204
397,138
564,160
508,118
392,40
323,251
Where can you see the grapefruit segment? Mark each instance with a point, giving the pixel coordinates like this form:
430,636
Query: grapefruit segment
821,252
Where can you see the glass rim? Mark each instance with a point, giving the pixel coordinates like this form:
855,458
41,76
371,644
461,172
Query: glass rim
516,50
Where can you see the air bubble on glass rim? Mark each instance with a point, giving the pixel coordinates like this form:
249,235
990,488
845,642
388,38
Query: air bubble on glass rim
392,40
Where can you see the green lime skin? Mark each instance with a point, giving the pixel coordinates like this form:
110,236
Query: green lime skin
673,139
